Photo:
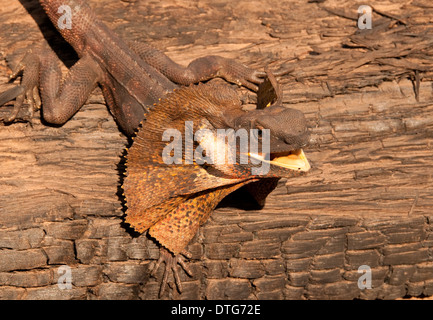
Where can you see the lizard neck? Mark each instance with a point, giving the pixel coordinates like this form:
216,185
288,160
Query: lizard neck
230,118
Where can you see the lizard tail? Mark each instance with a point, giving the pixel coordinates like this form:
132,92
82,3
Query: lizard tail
11,94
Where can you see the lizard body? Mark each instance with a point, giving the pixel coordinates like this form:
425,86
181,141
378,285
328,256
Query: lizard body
171,201
132,76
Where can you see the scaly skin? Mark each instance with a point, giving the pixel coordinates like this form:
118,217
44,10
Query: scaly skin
132,76
171,202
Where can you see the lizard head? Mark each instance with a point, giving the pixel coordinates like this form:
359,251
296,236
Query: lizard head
287,134
276,136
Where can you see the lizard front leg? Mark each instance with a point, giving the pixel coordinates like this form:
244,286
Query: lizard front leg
60,100
201,69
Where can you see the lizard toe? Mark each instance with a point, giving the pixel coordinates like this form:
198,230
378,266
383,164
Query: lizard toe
171,262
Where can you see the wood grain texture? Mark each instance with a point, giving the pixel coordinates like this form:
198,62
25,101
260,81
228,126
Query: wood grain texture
367,201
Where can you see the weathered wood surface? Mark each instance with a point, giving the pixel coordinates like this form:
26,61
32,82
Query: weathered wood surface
368,200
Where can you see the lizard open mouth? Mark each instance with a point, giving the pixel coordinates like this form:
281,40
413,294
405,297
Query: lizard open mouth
293,160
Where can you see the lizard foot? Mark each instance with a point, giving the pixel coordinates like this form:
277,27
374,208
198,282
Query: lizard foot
27,90
240,74
171,261
235,72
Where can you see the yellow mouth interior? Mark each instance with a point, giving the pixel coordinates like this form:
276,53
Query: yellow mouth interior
294,160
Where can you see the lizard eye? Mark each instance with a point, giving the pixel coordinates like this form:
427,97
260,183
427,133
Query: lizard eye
258,133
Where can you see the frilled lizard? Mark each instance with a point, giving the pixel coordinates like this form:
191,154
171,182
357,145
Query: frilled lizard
171,199
138,82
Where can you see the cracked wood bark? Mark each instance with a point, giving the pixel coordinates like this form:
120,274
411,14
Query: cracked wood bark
367,201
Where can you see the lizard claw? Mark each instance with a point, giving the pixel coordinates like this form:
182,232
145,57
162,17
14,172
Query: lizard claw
20,94
242,75
253,79
257,77
27,90
171,261
236,72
